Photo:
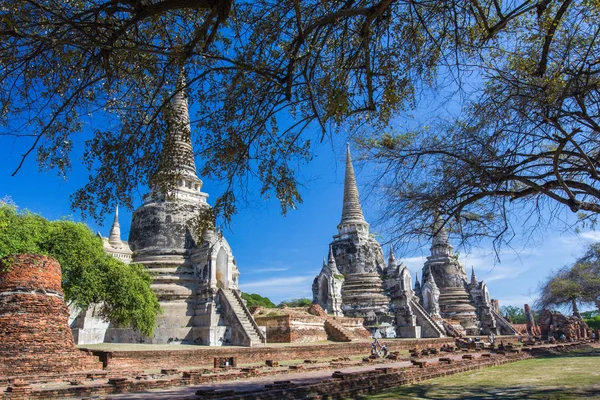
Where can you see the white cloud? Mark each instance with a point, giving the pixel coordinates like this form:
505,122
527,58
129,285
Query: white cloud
414,264
591,236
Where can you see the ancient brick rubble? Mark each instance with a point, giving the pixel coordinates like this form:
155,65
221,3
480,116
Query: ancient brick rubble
34,332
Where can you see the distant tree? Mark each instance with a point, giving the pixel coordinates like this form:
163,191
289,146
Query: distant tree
89,275
590,314
270,77
256,300
578,284
302,302
593,322
514,314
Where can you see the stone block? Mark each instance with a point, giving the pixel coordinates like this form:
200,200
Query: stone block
169,371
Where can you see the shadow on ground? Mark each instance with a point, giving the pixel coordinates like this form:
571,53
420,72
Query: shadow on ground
469,393
569,376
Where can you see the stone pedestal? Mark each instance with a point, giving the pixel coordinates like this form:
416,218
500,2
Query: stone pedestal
455,304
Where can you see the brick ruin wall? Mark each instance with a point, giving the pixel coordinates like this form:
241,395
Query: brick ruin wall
123,360
293,329
34,332
341,385
354,325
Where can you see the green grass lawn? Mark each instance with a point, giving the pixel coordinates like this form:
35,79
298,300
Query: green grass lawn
565,377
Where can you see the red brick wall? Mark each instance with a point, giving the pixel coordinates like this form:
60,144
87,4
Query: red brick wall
203,356
278,327
34,332
293,328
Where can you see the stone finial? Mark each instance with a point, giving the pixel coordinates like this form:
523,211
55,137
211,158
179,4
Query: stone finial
114,239
473,277
331,263
392,263
352,211
430,278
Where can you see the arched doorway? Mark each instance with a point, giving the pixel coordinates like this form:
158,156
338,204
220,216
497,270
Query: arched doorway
323,292
222,270
427,300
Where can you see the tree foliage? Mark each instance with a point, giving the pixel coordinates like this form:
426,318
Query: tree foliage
514,314
270,77
525,138
303,302
578,284
90,276
256,300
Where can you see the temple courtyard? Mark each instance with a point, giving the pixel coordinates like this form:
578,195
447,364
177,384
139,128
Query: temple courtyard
420,369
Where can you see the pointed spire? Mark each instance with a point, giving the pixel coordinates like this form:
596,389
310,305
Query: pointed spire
417,283
331,262
114,239
441,244
473,277
440,236
430,278
392,263
178,155
352,211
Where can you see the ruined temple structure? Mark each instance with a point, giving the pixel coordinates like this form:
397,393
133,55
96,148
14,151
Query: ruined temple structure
380,294
554,324
359,264
532,328
463,304
445,302
34,332
195,278
113,245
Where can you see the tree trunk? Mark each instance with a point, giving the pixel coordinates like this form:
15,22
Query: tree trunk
575,309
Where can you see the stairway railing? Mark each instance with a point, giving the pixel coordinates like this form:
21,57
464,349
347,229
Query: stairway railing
240,301
427,317
503,321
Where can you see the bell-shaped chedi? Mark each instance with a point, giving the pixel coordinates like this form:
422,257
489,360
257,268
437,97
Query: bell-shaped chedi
359,258
34,332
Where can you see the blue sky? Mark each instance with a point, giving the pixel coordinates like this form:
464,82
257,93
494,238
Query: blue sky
279,256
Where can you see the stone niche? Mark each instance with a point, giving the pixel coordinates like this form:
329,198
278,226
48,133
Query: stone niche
35,337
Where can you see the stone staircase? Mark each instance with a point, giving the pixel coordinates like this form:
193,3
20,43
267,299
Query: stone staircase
423,316
505,327
244,317
337,332
453,328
